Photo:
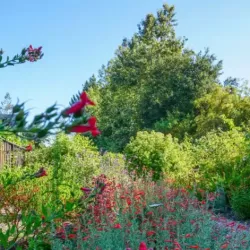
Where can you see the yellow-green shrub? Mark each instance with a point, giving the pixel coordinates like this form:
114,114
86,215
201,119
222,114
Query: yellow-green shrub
216,156
164,155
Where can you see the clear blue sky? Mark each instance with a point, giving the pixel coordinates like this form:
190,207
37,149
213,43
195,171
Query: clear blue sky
78,36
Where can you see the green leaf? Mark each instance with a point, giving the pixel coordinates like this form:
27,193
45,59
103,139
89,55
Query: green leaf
4,238
69,206
13,229
51,109
45,211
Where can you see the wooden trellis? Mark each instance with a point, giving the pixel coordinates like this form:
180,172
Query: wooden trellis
11,154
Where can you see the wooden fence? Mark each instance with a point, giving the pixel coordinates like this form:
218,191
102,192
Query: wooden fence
11,154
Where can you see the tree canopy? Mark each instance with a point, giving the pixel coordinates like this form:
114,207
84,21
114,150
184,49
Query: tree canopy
154,82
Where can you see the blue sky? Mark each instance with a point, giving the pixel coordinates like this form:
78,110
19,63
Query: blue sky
78,36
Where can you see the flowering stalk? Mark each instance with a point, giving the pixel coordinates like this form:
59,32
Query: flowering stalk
27,54
50,122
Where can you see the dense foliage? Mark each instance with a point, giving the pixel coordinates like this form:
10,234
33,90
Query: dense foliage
151,77
217,160
183,143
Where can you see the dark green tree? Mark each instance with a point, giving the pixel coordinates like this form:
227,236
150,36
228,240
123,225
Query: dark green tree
151,76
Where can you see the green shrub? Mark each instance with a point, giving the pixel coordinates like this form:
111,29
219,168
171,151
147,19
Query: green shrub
240,202
217,155
163,155
72,161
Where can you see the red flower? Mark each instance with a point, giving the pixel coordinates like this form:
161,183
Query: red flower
150,213
29,148
84,101
203,202
72,236
194,247
91,127
224,246
40,173
150,233
129,202
177,244
86,238
117,226
241,227
143,246
86,190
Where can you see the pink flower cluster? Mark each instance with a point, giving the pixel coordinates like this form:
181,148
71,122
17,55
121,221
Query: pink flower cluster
33,54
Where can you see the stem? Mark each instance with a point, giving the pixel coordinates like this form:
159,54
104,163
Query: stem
11,61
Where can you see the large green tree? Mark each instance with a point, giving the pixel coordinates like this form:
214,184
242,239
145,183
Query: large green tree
222,109
151,76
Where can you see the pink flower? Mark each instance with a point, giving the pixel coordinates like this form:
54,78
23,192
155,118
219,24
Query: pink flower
143,246
33,54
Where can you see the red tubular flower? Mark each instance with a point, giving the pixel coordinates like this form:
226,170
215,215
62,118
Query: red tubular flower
177,244
150,233
142,246
72,236
86,190
84,101
40,173
188,235
86,238
118,226
29,148
241,227
75,108
91,127
224,246
129,202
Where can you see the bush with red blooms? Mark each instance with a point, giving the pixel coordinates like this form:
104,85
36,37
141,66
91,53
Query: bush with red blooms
140,214
50,122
